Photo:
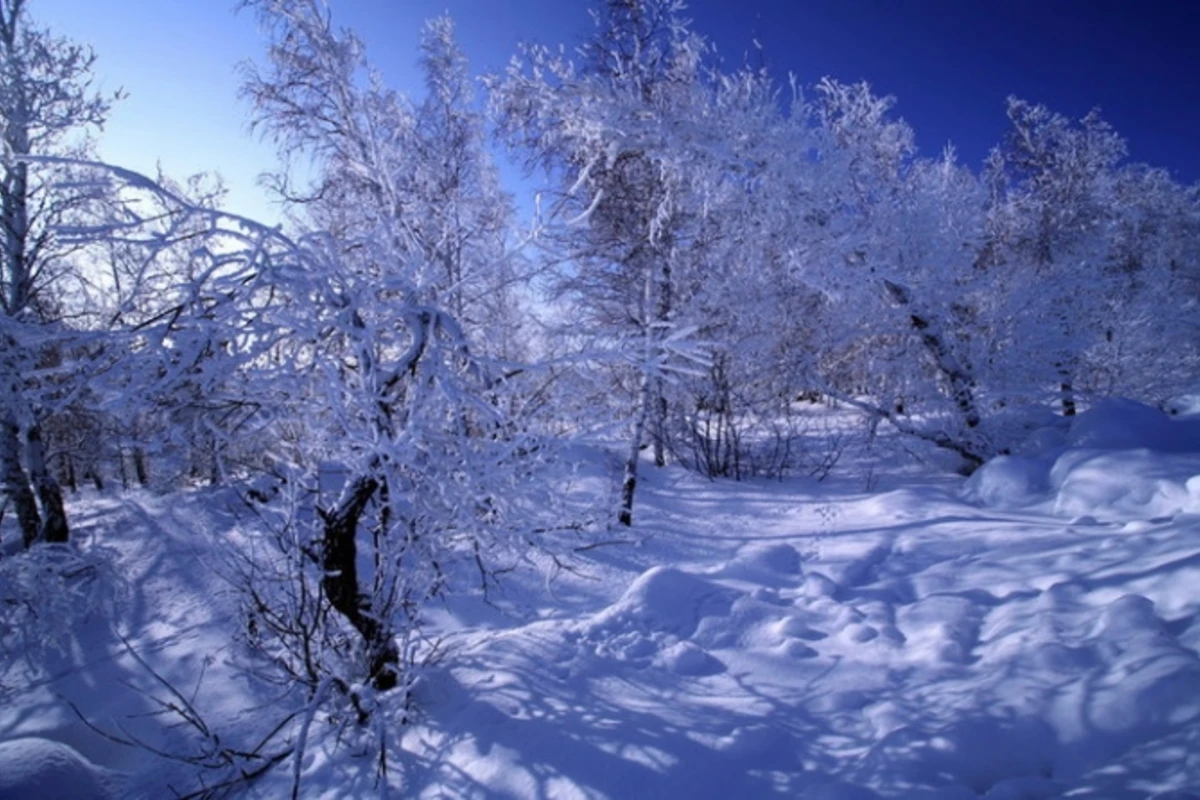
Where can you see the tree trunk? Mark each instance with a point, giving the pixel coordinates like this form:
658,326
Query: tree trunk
16,485
124,470
659,433
215,467
141,469
1067,391
962,385
1068,400
340,583
70,474
629,484
662,315
49,493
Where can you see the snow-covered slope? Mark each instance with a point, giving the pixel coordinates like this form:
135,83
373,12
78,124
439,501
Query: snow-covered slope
1019,636
896,645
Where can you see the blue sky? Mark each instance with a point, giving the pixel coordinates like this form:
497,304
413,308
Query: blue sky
950,63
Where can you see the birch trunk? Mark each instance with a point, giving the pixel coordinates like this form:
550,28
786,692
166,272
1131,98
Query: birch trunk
49,493
15,483
629,484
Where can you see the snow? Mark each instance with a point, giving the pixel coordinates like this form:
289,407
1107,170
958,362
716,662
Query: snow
1119,461
1119,424
32,767
1008,481
1030,632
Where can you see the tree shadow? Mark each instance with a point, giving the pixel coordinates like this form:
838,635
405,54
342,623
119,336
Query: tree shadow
108,693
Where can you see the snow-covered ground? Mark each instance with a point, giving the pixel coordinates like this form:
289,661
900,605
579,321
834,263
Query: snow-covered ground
1030,632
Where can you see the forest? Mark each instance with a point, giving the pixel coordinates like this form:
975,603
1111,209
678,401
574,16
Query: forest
406,426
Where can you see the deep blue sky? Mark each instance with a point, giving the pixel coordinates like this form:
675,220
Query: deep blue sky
950,63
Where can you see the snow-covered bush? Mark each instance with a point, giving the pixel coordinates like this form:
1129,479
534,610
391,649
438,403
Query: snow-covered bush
47,594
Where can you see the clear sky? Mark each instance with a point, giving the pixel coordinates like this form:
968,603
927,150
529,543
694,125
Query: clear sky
950,63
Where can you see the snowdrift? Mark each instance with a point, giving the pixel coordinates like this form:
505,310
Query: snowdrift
1030,633
32,767
1120,461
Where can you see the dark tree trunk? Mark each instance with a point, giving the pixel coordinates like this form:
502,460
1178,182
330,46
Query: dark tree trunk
54,526
70,474
1067,390
660,423
340,583
124,470
49,493
141,469
215,471
629,483
1068,400
662,315
628,488
962,384
15,483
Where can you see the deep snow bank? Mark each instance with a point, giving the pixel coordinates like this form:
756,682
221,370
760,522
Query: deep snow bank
757,639
33,768
1119,461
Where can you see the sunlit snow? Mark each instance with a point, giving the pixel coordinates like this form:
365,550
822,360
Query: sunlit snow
1027,633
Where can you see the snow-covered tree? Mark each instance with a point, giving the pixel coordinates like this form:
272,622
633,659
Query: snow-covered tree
618,131
421,170
882,243
47,106
1146,345
1053,229
748,291
1081,246
391,434
925,352
464,219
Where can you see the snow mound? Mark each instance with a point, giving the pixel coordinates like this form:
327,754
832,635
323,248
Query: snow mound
767,564
1120,461
666,600
1153,681
39,768
684,658
1011,481
940,628
1119,424
1184,405
1110,675
1125,485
